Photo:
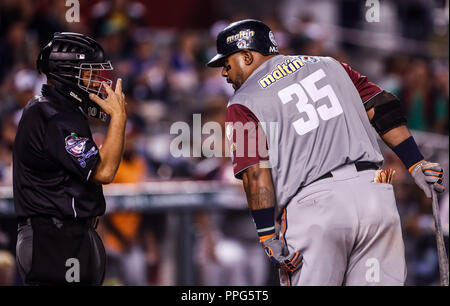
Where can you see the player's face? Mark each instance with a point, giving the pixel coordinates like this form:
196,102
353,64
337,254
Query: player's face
232,70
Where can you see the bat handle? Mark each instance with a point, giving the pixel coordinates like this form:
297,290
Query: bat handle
442,253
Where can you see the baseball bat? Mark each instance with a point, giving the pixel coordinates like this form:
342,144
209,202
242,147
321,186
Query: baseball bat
442,254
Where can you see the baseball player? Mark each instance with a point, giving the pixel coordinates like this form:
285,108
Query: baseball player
316,118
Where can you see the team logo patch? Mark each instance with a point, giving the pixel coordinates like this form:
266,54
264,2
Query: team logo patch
309,59
241,44
272,38
76,146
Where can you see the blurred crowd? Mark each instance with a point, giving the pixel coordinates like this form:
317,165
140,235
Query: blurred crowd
166,80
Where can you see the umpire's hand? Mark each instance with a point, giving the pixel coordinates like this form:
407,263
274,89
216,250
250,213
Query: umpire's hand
112,149
114,104
279,254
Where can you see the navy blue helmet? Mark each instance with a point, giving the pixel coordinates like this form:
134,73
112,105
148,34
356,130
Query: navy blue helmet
247,34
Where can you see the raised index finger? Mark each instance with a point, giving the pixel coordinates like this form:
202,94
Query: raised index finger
118,89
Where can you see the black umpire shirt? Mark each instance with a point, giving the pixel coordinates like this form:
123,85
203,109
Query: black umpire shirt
54,158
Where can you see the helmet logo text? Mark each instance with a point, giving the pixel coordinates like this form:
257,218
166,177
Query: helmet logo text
241,35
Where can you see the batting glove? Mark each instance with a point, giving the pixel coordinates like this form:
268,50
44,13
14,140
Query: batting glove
279,254
425,174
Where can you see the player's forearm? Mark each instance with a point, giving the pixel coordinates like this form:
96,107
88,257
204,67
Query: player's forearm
396,136
399,139
111,151
261,200
258,187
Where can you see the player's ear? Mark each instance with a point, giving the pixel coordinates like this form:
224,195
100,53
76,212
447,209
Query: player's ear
248,57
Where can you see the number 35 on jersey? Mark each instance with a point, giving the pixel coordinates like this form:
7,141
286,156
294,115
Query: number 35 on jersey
296,92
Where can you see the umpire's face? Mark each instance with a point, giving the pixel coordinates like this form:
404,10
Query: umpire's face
90,79
93,81
233,69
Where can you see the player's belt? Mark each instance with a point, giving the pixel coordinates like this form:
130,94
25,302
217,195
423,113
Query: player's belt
360,166
89,222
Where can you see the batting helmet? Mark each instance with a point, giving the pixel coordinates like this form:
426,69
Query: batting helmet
245,34
65,61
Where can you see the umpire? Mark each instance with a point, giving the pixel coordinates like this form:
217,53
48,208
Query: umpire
58,170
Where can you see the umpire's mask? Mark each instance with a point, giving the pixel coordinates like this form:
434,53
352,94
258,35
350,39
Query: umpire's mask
76,65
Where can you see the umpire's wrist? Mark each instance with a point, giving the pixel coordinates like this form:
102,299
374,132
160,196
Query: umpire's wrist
118,117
